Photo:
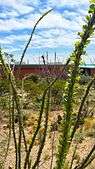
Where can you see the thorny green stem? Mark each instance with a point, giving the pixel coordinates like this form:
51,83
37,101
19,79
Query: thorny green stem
14,136
32,33
64,137
45,132
8,73
52,156
10,123
81,107
84,162
90,160
73,157
40,116
37,129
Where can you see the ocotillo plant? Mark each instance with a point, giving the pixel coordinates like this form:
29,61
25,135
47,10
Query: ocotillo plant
66,134
64,138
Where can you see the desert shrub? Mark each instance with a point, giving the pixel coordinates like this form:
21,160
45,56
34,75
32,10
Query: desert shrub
4,102
4,86
34,78
84,79
57,95
35,91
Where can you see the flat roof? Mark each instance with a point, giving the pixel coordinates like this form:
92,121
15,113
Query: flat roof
87,66
56,65
37,65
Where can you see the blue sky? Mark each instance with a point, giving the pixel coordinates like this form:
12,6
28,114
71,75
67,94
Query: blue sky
57,32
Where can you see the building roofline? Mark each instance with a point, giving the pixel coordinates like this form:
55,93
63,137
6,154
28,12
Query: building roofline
50,65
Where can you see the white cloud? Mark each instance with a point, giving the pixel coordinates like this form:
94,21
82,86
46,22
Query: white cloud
6,14
18,5
47,38
53,38
14,38
58,29
71,3
35,3
52,20
15,24
57,20
5,41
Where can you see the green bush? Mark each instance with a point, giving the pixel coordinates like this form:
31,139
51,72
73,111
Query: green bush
4,86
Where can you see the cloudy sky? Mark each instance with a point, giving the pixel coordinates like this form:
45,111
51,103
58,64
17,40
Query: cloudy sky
57,32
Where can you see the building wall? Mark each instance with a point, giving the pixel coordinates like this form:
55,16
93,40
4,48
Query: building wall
26,71
93,71
38,70
53,70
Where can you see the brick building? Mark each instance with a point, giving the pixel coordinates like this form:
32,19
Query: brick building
51,69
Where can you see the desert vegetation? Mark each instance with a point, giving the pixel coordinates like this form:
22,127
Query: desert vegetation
49,123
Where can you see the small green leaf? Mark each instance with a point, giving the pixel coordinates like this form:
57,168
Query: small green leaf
92,8
92,1
88,18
